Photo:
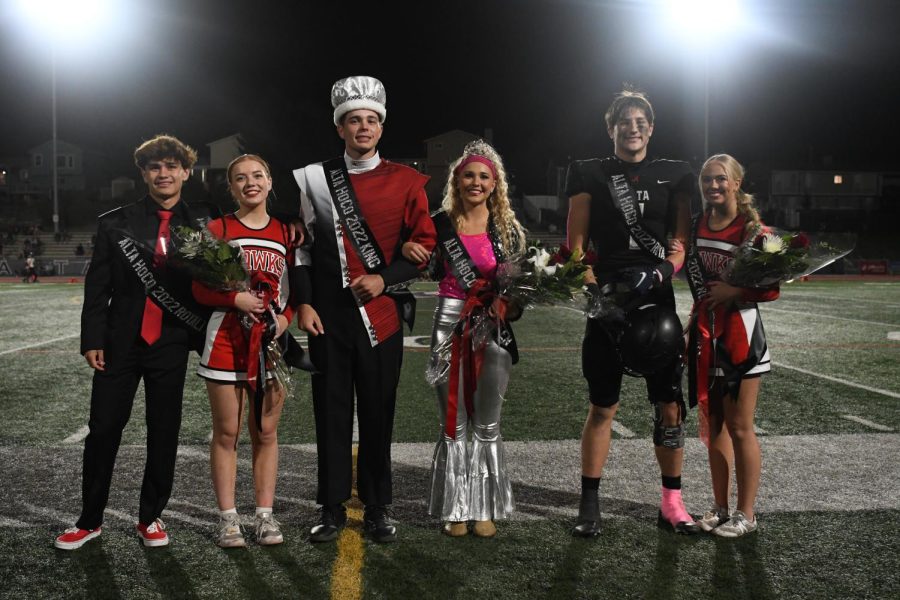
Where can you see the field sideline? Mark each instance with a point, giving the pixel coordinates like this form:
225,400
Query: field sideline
828,421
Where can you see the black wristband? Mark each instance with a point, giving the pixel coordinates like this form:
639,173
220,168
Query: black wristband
665,269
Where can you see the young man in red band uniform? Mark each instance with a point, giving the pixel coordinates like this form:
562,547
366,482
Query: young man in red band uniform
126,337
355,333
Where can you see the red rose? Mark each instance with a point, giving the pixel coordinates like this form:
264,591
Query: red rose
590,258
799,240
564,252
758,242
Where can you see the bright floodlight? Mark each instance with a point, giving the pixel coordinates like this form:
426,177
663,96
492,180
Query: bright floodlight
65,18
702,21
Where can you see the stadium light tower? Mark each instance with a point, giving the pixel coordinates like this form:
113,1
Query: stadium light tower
701,25
58,20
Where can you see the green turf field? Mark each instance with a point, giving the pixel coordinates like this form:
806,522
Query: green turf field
828,507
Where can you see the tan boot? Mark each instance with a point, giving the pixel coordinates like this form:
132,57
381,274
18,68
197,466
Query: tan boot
484,529
455,528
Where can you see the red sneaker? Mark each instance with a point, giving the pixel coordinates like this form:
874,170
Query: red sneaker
73,538
153,534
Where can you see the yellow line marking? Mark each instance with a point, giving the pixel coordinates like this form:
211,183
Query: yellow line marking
346,574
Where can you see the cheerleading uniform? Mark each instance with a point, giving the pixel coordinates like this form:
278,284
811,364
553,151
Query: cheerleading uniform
470,485
656,182
225,352
741,350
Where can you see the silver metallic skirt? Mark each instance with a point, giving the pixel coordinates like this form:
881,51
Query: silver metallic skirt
471,484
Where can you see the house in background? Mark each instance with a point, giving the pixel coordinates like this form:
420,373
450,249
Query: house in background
69,167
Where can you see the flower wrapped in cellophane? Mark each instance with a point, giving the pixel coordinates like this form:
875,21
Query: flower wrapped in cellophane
538,277
773,256
216,263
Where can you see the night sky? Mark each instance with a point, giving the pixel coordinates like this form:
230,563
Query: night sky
806,81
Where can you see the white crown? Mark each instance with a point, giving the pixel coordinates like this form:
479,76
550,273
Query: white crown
356,92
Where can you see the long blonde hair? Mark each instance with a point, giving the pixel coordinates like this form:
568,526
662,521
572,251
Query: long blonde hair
512,234
735,172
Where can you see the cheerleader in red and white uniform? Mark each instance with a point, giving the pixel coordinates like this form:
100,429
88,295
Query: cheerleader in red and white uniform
740,354
225,361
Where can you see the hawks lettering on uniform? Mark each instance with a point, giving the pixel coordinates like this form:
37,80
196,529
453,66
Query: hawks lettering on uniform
714,262
259,259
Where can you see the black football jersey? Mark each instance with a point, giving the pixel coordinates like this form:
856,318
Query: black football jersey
655,182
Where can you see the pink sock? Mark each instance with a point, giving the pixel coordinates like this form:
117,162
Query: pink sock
672,507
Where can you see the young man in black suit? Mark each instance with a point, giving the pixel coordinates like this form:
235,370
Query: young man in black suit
138,322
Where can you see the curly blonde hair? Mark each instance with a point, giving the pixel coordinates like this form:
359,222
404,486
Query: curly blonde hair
735,172
512,234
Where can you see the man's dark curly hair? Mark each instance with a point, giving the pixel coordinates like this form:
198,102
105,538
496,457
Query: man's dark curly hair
164,146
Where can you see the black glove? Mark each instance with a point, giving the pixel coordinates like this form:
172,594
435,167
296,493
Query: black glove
644,279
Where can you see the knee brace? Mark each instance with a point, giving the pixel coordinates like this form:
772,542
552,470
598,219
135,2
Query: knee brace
668,437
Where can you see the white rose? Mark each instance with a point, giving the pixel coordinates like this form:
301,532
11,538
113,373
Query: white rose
772,243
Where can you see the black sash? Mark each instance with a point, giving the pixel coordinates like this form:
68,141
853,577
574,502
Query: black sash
361,237
694,270
183,311
625,200
461,264
466,273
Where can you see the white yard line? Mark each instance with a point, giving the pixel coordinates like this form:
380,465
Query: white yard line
821,316
867,422
36,345
307,502
14,523
122,516
812,296
178,516
243,463
622,430
78,436
206,509
53,514
887,393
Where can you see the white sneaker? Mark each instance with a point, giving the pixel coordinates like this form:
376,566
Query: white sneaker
268,530
230,533
737,526
713,518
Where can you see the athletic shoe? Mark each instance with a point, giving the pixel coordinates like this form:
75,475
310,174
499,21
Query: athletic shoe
377,526
588,523
74,538
713,518
230,533
673,516
736,526
268,530
333,519
154,534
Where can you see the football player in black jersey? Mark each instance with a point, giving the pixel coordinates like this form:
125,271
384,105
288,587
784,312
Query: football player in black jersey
629,206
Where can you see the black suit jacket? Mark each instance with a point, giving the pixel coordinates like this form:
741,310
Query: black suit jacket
114,297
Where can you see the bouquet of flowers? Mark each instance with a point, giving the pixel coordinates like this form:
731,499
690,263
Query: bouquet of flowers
217,264
536,277
773,256
220,265
542,277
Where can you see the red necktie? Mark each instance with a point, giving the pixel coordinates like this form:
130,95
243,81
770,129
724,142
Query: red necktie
151,326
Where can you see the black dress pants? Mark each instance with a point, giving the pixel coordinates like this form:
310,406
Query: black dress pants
163,367
347,362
